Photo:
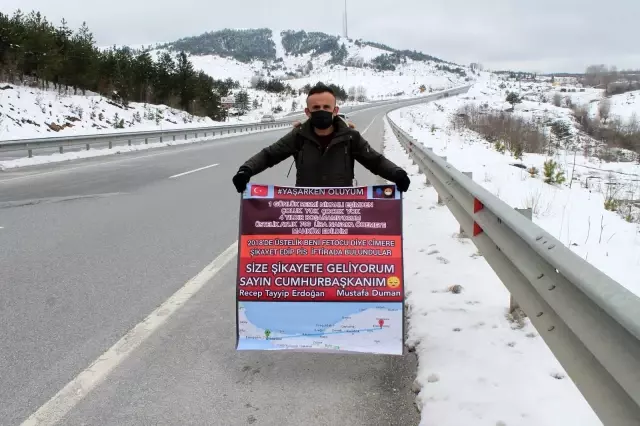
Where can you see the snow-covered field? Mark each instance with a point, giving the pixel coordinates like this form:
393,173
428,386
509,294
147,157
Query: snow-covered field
576,216
476,367
623,107
27,112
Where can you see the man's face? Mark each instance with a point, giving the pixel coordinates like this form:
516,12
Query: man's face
321,101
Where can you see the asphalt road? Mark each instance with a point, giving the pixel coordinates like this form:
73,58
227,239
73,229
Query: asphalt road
88,249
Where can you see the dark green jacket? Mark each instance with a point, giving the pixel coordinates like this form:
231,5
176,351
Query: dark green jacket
332,166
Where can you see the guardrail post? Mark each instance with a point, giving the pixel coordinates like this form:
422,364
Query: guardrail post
129,142
174,137
440,200
160,138
462,233
235,130
87,147
185,136
196,135
427,183
146,141
513,304
61,149
30,153
110,144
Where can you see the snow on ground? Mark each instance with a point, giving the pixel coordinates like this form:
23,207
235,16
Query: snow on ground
402,83
576,216
27,112
475,366
625,106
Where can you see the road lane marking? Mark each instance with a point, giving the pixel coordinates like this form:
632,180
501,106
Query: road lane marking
68,397
108,162
193,171
109,158
374,119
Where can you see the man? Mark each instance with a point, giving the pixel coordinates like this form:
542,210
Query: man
324,148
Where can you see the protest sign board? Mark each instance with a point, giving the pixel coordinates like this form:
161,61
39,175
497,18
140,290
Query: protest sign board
320,270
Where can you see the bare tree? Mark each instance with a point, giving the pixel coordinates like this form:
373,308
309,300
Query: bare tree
568,102
557,99
352,93
361,94
604,108
633,125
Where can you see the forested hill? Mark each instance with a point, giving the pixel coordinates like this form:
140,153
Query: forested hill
243,45
35,51
262,44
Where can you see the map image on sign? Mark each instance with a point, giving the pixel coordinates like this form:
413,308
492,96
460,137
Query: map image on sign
338,326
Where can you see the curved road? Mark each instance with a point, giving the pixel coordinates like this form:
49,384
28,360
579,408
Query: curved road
88,249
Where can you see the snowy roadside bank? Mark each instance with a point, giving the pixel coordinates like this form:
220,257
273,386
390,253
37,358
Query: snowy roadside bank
576,212
476,367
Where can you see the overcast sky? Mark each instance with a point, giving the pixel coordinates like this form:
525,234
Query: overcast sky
538,35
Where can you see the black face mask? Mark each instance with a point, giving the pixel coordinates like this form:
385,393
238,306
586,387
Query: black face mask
321,119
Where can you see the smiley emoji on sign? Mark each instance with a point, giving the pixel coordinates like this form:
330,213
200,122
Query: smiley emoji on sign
393,282
388,192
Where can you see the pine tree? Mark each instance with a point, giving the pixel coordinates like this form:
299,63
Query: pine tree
184,77
33,50
242,101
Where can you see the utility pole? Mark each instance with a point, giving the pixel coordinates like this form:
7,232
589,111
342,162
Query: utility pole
346,26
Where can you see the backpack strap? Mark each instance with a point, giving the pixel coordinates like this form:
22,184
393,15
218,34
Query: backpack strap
299,142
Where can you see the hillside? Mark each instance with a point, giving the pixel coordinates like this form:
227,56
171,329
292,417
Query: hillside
263,44
57,81
33,112
294,59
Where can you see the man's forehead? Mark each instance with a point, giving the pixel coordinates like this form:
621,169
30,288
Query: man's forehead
324,98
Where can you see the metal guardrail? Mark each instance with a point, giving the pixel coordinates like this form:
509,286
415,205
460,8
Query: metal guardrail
112,139
590,322
120,138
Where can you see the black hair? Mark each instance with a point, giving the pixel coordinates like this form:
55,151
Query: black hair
320,88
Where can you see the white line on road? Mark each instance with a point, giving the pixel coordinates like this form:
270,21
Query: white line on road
107,161
193,171
68,397
374,119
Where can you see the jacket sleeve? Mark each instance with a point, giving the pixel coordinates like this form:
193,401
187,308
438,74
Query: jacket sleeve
271,155
372,160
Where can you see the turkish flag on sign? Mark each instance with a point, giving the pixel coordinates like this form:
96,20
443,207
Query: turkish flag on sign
259,190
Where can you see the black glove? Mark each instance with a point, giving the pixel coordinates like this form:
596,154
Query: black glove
241,179
402,181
